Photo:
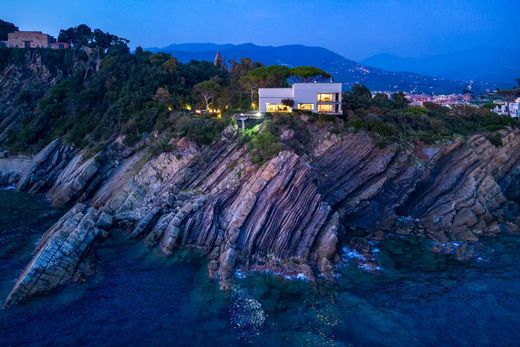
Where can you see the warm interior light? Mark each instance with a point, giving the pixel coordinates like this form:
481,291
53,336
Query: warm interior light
325,108
325,97
308,107
278,108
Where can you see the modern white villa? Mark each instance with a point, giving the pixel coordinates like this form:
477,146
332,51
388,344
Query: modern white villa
315,97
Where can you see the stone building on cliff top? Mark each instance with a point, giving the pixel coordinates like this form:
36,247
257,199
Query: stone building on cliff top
32,39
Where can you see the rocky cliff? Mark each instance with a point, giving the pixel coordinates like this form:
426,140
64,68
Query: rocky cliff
23,82
289,215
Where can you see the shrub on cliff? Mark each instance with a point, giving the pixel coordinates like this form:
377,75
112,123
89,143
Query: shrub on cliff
495,139
202,130
264,146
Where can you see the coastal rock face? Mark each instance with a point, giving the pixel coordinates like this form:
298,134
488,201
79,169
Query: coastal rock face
8,178
272,219
32,75
59,252
11,169
46,167
453,192
289,215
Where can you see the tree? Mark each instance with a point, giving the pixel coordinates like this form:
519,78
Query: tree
273,76
6,28
400,100
162,96
208,90
240,84
362,92
78,36
308,74
250,85
83,36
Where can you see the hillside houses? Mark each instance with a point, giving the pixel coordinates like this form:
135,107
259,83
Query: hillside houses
504,108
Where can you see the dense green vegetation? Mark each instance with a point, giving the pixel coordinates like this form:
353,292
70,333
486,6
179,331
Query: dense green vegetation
132,94
106,91
6,28
267,140
392,119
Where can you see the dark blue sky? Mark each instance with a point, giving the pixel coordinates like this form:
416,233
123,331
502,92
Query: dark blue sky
353,28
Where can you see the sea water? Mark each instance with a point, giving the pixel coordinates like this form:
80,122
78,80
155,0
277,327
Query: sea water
137,297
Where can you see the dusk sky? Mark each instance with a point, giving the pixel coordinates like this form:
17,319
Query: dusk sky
356,29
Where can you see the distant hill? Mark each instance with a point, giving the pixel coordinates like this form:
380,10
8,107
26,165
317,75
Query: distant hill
344,70
495,65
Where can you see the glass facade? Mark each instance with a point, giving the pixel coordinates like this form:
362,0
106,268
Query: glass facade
307,107
326,97
326,108
277,108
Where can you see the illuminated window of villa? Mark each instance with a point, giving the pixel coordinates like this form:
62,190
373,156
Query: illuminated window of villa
326,108
277,108
307,107
329,97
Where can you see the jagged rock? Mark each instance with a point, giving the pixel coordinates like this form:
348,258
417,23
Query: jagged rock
58,253
146,223
46,167
173,228
74,180
328,245
9,178
105,221
292,214
11,169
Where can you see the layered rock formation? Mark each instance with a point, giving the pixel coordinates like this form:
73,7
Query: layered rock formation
455,192
59,252
289,215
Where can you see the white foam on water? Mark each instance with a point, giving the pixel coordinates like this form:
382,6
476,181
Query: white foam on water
10,187
247,315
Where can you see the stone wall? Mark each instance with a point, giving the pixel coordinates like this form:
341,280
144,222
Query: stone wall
36,39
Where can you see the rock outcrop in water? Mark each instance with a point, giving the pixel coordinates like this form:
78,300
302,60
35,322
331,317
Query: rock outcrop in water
289,215
60,251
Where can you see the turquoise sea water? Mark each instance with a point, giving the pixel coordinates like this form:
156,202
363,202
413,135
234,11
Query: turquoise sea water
139,298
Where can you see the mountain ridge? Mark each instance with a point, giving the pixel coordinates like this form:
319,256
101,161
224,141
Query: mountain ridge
493,64
344,70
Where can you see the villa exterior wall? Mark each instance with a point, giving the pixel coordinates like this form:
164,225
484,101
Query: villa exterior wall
303,93
273,96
